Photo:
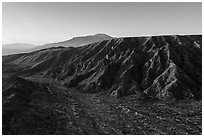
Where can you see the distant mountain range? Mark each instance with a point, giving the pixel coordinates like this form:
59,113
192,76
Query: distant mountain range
15,48
74,42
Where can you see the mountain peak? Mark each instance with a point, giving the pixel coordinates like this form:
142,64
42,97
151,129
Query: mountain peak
102,34
98,35
76,41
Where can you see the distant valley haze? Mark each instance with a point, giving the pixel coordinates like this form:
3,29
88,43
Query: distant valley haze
15,48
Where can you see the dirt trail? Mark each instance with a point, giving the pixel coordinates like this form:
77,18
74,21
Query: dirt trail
96,114
61,110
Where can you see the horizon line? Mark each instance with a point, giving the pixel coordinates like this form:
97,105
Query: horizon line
143,35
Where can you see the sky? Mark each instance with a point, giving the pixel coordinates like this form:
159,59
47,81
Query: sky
40,23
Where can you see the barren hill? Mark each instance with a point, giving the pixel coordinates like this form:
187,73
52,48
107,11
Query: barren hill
157,67
133,85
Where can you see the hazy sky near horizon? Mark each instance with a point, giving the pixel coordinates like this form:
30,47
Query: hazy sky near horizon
40,23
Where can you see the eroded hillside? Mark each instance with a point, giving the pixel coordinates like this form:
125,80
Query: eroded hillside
157,67
137,85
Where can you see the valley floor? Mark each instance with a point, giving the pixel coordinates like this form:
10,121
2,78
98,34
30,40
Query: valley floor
67,111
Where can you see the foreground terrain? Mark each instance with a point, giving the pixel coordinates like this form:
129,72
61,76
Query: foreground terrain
136,85
51,108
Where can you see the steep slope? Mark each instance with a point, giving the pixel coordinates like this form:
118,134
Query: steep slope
16,48
164,67
76,41
153,68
